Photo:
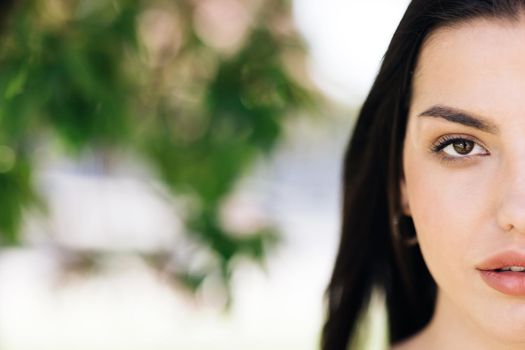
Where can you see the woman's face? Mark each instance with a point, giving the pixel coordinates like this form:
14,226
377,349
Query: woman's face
464,174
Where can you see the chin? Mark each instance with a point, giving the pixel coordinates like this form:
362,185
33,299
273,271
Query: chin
509,327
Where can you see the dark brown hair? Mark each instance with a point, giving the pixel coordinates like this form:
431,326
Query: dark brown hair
370,257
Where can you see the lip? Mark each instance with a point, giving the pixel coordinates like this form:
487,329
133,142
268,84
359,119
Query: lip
507,282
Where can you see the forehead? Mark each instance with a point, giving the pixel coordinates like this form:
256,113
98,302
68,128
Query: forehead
477,65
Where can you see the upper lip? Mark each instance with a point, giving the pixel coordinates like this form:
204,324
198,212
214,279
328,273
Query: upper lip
503,259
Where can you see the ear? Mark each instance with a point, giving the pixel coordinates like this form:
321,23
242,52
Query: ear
405,205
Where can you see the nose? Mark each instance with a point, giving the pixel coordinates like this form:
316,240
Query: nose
511,212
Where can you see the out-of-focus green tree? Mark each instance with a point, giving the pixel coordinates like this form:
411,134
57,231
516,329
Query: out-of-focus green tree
198,88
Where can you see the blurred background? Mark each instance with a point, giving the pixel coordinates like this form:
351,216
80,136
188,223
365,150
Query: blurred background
169,170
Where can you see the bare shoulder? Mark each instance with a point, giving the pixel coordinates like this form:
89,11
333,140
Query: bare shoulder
406,345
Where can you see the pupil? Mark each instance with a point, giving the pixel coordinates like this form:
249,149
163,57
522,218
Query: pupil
463,146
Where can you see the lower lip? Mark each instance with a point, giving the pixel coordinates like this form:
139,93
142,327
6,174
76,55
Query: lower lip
507,282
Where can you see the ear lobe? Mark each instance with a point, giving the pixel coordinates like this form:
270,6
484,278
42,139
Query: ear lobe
405,206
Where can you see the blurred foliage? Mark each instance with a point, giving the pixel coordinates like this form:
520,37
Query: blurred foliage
198,88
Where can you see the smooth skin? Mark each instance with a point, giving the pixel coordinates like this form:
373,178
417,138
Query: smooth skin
464,178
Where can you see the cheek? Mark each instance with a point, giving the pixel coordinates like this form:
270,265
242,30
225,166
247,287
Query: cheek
448,207
435,213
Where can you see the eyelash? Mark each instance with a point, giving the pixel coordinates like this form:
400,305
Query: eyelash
448,140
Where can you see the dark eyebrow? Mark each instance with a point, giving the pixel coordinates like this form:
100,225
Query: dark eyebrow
458,116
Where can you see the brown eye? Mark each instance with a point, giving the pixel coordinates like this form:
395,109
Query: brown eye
463,147
457,147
